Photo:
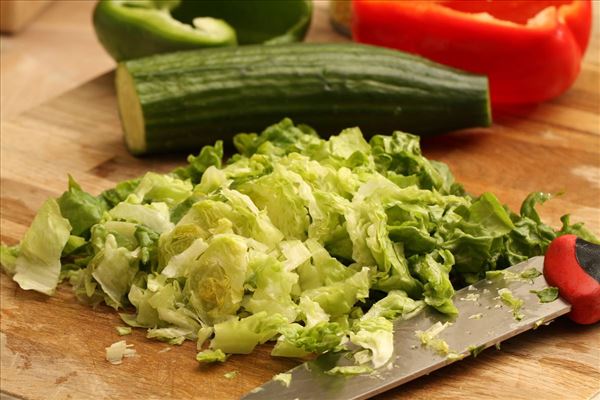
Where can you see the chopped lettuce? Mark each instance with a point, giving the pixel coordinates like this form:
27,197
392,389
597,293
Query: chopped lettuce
315,244
203,335
513,302
81,208
114,269
350,370
123,330
430,340
215,283
547,295
37,266
116,351
376,335
155,215
8,258
526,275
284,378
240,336
476,350
172,335
211,356
530,273
320,338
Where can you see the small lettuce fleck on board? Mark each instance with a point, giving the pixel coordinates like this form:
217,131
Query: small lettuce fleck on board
314,244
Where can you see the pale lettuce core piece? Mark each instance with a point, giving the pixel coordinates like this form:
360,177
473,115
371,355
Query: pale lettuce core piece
284,378
123,330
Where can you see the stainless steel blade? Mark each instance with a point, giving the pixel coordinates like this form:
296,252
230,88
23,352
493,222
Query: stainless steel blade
411,360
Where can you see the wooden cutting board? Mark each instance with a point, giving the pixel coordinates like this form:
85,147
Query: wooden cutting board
53,347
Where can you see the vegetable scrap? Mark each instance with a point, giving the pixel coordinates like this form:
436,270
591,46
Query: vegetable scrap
231,374
547,295
116,351
349,370
285,379
123,330
476,350
510,300
430,340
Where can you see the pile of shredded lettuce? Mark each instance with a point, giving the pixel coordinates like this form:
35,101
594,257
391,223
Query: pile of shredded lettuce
311,243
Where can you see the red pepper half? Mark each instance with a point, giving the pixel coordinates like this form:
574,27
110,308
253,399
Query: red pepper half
531,51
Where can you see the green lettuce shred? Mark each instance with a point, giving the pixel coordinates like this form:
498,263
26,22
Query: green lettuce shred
314,244
546,295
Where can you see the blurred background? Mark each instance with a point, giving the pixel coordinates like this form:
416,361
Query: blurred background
54,41
51,40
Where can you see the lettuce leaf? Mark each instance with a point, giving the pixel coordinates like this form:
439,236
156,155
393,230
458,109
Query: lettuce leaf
240,336
81,209
37,266
215,283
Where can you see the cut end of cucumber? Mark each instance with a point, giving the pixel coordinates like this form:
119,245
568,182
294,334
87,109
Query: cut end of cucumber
131,112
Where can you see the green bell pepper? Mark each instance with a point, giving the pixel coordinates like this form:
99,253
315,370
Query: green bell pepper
137,28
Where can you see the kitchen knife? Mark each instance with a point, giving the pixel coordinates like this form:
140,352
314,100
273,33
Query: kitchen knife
571,264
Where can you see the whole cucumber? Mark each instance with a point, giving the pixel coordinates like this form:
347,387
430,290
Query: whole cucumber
182,101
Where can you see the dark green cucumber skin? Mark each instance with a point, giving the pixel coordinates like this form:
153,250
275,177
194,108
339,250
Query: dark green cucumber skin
190,99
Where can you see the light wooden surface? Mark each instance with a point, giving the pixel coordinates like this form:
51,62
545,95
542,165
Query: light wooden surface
53,348
55,53
16,14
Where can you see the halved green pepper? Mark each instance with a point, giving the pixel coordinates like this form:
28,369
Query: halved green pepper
137,28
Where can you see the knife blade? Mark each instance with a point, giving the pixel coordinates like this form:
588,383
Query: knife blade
483,321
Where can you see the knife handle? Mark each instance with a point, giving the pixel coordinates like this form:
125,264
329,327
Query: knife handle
573,265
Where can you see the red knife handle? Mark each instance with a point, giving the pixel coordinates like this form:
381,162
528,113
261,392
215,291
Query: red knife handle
573,265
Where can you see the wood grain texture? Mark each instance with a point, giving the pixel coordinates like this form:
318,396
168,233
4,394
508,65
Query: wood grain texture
58,51
53,347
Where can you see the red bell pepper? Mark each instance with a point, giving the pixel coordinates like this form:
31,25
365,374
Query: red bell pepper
531,50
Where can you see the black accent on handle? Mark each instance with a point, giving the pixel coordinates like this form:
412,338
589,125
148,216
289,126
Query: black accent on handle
588,257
